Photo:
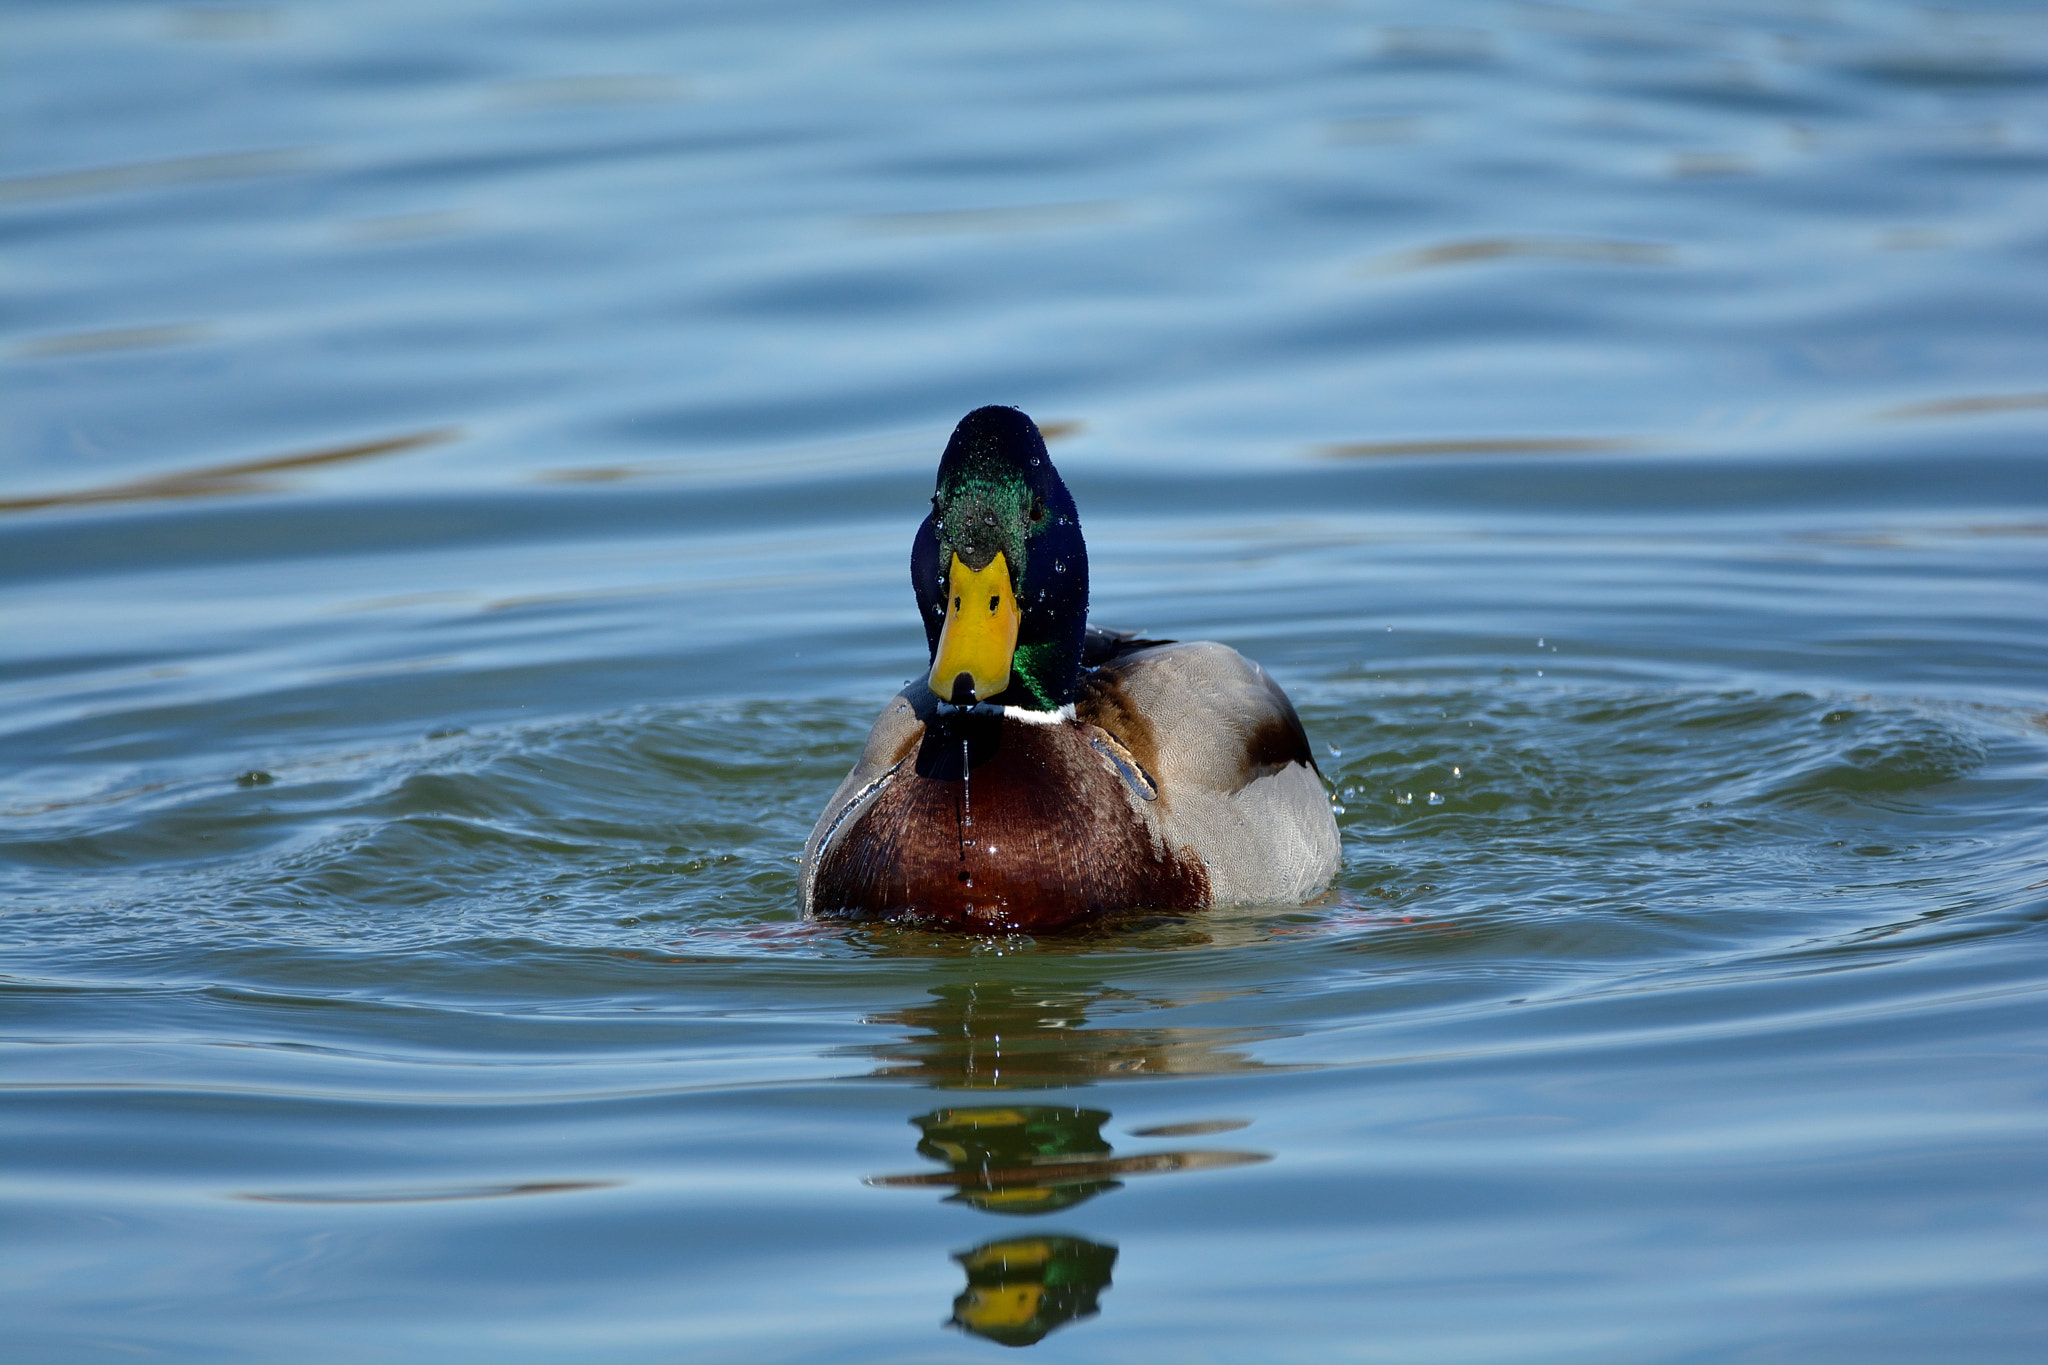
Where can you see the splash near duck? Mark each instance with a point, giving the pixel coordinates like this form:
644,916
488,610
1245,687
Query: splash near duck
1044,773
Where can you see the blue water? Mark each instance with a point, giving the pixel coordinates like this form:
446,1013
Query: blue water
457,468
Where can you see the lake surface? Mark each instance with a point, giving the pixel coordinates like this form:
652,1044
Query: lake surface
459,468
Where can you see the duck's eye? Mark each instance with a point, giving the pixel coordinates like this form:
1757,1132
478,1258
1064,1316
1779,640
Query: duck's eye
1037,510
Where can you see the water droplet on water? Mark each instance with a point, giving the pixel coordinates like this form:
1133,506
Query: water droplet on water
1436,798
1335,752
1404,798
1457,772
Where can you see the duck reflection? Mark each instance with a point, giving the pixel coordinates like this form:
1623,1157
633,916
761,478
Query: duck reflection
1003,1035
1029,1159
1020,1289
1021,1159
1025,1160
1036,1158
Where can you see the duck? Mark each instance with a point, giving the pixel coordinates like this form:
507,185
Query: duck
1043,773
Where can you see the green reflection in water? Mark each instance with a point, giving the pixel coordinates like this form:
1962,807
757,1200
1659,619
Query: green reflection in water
1008,1154
1020,1289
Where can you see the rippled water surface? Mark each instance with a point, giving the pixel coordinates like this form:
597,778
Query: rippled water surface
459,467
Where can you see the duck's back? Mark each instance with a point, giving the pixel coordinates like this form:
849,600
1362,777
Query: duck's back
1236,780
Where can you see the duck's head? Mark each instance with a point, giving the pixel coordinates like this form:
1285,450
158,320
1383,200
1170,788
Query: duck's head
1000,569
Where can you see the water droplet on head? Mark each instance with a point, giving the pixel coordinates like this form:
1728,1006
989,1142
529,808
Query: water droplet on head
989,517
1034,462
1059,566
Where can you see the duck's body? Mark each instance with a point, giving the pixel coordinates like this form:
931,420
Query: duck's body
1100,774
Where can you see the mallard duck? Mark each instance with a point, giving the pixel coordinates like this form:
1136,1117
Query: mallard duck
1043,773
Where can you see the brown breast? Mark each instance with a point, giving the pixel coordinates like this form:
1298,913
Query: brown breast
1038,833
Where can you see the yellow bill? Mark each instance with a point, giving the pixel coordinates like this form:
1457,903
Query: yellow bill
980,633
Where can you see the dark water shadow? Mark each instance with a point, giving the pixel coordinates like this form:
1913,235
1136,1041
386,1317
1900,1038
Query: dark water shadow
1005,1035
1482,445
449,1194
145,175
225,480
1475,251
